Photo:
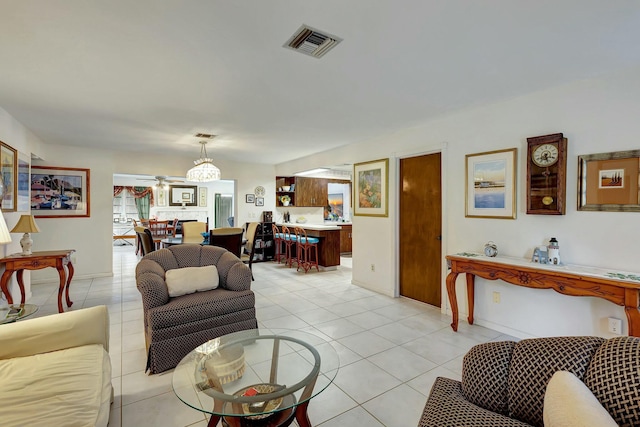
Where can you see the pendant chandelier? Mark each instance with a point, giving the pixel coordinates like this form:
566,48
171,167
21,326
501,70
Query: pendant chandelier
204,169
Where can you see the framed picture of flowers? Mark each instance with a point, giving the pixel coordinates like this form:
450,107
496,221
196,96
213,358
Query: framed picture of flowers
371,192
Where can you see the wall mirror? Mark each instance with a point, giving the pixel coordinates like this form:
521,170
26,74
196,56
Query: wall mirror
609,182
183,195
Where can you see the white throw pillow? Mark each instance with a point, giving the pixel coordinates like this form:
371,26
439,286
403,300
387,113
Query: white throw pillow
570,403
187,280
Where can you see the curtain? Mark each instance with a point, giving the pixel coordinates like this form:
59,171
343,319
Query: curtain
144,200
223,210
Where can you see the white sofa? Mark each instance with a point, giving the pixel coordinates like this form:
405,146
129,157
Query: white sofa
55,370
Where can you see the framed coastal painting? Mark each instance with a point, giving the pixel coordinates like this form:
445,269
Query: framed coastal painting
8,165
609,181
491,184
58,192
371,192
23,201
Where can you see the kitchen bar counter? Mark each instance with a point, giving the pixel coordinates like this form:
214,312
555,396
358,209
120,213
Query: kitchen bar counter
329,245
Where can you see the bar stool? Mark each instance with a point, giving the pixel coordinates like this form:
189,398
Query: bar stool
278,237
307,250
288,240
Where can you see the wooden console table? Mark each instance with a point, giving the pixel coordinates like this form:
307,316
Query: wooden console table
621,288
37,261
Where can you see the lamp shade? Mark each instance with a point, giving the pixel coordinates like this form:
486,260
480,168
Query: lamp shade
5,237
204,169
26,224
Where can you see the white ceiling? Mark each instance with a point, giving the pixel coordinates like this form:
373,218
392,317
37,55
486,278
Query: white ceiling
148,74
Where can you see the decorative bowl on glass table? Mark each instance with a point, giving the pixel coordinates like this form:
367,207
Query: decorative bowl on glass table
283,370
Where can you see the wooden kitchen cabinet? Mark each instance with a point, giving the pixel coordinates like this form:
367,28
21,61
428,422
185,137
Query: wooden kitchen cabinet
306,192
345,238
312,192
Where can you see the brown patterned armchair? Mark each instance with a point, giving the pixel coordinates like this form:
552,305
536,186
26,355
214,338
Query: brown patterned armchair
176,325
504,383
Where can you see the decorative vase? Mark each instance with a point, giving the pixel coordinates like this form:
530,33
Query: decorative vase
285,203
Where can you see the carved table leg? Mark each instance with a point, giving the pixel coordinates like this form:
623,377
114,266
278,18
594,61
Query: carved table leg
63,282
451,291
19,276
69,277
631,302
471,279
4,284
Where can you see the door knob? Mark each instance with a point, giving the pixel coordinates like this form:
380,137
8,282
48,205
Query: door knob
439,238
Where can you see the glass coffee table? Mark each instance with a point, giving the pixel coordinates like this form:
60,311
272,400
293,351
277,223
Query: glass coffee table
24,311
256,377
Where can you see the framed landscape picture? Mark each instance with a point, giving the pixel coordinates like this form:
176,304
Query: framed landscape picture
371,195
609,181
58,192
8,165
491,184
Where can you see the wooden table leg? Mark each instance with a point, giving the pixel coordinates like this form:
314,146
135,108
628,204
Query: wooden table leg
631,302
302,417
63,282
19,276
69,277
213,421
451,291
4,284
470,295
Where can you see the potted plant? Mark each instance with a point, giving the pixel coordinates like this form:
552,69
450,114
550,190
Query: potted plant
285,200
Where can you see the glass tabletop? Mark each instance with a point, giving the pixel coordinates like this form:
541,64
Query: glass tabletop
23,311
255,373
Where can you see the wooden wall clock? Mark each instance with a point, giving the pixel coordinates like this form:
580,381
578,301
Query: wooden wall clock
546,174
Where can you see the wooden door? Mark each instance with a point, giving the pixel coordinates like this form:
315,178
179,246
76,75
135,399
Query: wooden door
420,237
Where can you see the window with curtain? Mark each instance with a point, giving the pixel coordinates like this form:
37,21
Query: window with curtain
143,197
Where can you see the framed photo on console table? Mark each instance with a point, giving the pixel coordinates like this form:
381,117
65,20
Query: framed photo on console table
609,181
371,195
58,192
491,184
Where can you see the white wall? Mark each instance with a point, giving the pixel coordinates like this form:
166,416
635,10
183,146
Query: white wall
14,134
92,237
598,115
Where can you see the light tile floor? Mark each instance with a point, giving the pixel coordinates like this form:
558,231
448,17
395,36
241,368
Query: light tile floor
391,349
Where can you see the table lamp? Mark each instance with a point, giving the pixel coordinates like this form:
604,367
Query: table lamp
5,237
26,224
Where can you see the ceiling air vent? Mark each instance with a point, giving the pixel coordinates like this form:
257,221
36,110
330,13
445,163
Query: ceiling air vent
312,42
204,135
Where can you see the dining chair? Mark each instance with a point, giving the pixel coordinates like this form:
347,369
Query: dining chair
229,238
250,246
146,240
192,231
171,228
159,230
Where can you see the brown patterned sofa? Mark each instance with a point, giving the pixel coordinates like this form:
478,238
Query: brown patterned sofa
504,383
176,325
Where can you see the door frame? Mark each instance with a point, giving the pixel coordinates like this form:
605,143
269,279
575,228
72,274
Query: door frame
432,149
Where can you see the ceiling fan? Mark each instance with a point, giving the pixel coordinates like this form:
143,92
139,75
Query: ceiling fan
161,181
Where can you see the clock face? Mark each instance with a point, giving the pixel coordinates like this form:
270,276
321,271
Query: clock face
259,191
545,155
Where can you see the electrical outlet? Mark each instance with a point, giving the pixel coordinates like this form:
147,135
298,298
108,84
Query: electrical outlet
496,297
615,325
373,267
